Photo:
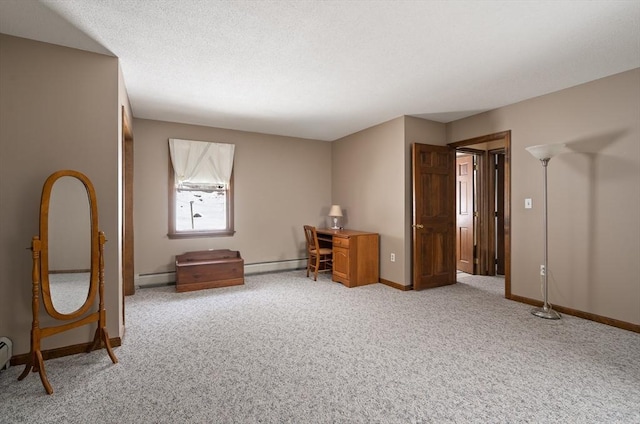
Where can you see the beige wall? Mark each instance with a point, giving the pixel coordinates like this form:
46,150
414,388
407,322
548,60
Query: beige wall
594,194
372,182
280,184
368,182
58,110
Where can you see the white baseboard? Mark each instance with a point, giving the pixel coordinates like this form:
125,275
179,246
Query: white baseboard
155,279
168,278
275,266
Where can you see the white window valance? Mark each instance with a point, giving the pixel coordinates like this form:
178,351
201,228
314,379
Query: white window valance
201,163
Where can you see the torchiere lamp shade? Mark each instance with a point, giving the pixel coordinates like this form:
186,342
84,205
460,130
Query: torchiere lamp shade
546,151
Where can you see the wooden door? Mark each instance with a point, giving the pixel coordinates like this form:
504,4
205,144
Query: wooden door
434,217
464,214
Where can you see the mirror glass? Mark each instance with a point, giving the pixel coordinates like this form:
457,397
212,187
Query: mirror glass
69,244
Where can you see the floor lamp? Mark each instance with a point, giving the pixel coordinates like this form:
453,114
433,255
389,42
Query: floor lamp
544,153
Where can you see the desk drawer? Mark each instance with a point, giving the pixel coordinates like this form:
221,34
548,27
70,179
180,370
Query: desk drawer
341,241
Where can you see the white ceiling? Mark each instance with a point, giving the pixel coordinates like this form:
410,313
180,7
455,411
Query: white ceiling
326,69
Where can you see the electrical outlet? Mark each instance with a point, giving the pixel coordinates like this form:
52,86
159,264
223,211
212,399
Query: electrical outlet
543,270
393,257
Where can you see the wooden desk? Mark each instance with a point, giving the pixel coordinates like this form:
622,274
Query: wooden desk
356,255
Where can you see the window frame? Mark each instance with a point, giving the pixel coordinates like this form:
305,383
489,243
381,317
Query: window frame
173,234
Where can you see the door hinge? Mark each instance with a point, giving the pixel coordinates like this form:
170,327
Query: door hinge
476,261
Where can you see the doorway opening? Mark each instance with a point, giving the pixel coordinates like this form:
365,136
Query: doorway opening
483,187
480,211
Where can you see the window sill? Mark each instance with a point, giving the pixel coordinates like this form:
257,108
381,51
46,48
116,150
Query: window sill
200,234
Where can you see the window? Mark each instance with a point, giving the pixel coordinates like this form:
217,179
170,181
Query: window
200,189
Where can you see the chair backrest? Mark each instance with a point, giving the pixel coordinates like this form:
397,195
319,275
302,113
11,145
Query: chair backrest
312,238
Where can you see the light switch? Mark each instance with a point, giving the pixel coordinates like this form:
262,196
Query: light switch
528,204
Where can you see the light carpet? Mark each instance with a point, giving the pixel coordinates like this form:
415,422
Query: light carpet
285,349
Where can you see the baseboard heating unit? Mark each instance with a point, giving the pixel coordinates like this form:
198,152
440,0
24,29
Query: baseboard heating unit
5,352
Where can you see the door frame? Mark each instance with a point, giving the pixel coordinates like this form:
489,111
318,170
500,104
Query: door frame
497,158
486,203
128,275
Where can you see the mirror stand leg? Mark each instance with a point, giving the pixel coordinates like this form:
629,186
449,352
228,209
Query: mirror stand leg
42,372
96,341
36,363
107,345
102,338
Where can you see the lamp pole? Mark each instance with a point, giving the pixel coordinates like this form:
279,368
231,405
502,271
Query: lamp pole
545,311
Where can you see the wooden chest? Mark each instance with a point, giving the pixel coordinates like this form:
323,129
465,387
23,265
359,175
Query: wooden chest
208,269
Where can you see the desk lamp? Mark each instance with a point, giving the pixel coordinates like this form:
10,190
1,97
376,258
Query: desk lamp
334,213
544,153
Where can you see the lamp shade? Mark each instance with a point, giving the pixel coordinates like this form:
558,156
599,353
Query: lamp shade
335,210
546,151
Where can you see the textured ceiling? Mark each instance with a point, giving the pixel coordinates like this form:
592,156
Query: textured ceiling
326,69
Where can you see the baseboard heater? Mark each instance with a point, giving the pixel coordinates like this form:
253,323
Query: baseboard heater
168,278
5,352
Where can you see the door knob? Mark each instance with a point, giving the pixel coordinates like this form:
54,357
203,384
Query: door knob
418,226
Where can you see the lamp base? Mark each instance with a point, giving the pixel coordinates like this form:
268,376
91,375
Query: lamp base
545,312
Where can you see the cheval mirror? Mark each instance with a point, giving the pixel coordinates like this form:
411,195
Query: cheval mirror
68,266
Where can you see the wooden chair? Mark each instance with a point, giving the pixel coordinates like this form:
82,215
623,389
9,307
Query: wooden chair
319,259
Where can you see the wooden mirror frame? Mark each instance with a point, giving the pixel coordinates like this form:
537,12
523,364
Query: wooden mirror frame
41,285
45,204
